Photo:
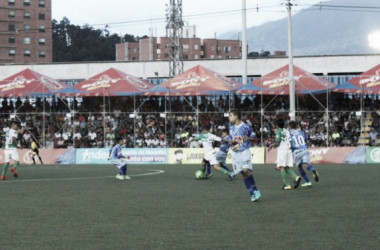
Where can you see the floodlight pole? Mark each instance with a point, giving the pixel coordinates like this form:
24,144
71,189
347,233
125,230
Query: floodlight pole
292,109
244,42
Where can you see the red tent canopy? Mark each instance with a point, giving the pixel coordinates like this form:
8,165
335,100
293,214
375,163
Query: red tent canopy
200,81
367,83
113,82
29,82
277,82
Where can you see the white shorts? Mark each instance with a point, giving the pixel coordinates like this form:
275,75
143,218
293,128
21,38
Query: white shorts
241,160
211,157
119,162
11,153
284,158
221,157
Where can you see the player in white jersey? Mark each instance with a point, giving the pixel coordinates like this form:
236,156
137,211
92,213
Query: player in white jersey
10,150
206,139
241,154
284,155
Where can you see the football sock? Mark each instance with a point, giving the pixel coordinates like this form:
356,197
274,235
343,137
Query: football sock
5,169
15,165
284,177
310,168
203,169
252,182
248,186
208,167
222,170
303,174
124,169
291,173
225,167
40,160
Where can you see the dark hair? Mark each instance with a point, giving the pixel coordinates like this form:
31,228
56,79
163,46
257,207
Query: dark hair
292,124
225,131
119,139
206,127
236,112
280,122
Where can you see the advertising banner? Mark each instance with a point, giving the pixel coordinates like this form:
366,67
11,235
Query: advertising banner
49,156
195,155
328,155
372,155
137,155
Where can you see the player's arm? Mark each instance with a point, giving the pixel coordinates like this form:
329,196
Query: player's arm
276,142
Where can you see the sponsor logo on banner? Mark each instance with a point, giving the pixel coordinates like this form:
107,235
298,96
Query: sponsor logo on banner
193,80
371,81
316,155
51,83
137,82
137,156
18,83
282,80
104,82
195,155
375,155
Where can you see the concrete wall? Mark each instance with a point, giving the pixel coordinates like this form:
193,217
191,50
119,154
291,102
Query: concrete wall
230,67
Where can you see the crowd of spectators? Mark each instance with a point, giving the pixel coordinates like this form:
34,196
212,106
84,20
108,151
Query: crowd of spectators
170,122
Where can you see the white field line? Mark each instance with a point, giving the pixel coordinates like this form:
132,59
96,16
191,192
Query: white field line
82,178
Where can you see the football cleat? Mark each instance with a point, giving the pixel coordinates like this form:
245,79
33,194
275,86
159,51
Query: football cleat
256,194
307,184
126,177
3,177
207,176
316,175
120,177
297,182
286,187
14,171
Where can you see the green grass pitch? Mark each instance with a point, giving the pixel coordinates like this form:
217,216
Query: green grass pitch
164,207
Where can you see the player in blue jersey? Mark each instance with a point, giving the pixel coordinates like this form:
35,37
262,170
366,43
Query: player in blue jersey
241,155
117,158
221,155
301,153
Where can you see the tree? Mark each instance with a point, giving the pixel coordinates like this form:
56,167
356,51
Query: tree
72,43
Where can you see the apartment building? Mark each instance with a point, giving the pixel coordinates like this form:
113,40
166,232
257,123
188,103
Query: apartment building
25,31
193,48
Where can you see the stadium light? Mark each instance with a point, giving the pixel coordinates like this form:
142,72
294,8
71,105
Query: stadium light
162,115
358,113
131,115
226,114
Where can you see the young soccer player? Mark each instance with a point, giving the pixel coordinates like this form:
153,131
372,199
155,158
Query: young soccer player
10,150
284,155
206,139
118,159
34,152
221,155
301,153
241,155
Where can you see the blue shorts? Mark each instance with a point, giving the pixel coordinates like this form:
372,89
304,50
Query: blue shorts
119,162
301,156
221,157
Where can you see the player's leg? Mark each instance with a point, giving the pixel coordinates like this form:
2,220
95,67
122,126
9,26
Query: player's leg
221,158
39,157
281,164
310,167
31,155
289,168
249,180
6,165
124,170
119,164
211,157
16,163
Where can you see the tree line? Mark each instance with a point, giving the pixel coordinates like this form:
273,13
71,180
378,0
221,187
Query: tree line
74,43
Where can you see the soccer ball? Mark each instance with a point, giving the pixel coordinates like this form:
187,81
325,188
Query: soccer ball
198,174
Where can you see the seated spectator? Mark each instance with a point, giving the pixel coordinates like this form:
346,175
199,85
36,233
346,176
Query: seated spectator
61,143
373,134
92,137
377,140
336,138
346,142
155,142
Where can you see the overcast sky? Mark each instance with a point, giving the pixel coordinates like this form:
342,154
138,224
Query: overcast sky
139,17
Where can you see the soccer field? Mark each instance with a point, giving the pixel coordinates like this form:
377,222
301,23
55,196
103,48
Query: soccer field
164,207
